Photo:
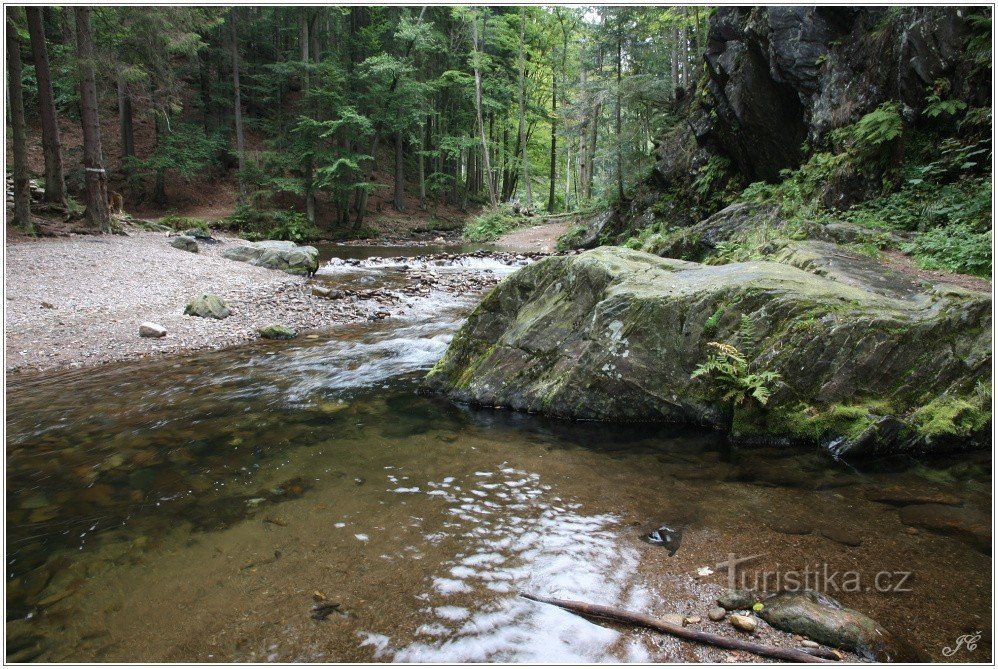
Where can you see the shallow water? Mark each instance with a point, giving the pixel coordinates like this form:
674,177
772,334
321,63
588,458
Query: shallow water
195,509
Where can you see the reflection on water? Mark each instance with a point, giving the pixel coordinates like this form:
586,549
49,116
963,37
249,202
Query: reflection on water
195,509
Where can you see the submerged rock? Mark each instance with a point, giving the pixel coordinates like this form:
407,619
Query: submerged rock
207,306
275,254
967,525
615,334
668,537
826,621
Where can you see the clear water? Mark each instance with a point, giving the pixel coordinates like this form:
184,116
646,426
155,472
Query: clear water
195,509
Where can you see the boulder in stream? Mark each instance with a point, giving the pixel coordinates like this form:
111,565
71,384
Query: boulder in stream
864,366
276,254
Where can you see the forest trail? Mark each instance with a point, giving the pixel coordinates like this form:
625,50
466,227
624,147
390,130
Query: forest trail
542,238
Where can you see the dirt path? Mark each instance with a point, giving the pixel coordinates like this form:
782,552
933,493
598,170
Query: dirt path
540,238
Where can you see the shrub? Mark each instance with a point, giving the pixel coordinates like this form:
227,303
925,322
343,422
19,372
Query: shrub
256,224
492,224
957,248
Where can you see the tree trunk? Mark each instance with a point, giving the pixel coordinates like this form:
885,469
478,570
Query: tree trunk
478,113
125,121
309,177
237,108
55,183
522,136
620,157
554,140
675,63
399,200
19,145
97,214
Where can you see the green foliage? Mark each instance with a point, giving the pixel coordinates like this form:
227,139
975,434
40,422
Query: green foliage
867,137
957,248
949,416
181,223
730,379
492,224
187,150
256,224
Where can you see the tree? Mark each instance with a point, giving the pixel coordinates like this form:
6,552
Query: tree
55,183
478,109
237,107
22,195
522,128
97,213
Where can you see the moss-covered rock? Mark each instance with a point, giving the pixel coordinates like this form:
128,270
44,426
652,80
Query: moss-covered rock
615,334
277,332
275,254
207,306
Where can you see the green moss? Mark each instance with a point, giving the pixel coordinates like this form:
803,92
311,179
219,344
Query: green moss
948,416
711,324
810,424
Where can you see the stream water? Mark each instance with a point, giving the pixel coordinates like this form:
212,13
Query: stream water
195,509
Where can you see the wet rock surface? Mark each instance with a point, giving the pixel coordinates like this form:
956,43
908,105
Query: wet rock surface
207,305
614,334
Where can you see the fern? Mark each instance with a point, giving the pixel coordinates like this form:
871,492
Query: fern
730,380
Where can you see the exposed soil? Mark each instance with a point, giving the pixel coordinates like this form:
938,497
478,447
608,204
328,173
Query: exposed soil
906,264
542,238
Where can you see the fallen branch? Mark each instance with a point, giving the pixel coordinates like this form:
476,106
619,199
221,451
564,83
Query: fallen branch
620,615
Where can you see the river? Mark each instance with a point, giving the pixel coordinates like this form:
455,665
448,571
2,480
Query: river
198,508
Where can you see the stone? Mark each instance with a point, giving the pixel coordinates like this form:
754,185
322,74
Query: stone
674,619
744,623
615,334
275,254
184,243
717,613
898,495
207,306
153,330
320,291
737,600
840,535
823,619
967,525
807,643
692,620
791,526
277,332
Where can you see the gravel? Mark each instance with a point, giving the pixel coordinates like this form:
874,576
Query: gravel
79,301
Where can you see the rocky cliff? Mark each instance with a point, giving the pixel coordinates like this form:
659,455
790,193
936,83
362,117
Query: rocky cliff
865,363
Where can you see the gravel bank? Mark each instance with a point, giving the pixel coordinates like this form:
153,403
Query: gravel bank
79,301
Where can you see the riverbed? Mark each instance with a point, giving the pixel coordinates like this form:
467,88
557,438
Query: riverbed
200,508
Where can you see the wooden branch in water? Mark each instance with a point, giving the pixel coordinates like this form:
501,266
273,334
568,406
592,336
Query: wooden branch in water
620,615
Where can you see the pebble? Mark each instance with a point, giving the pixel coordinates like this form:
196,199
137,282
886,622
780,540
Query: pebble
152,330
692,620
716,614
807,643
744,623
674,619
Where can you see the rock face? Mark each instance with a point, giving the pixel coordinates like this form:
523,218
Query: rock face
184,243
277,332
273,254
615,334
780,76
152,330
207,306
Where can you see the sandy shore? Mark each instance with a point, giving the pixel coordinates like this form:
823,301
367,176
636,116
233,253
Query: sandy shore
78,301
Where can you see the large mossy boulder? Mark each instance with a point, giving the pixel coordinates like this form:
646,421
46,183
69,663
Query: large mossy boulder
615,334
274,254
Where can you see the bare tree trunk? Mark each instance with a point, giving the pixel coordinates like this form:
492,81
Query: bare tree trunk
97,214
238,107
620,157
303,44
423,132
675,63
478,113
554,141
399,200
55,183
19,144
125,120
522,141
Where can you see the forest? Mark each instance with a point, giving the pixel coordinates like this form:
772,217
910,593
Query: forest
313,112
